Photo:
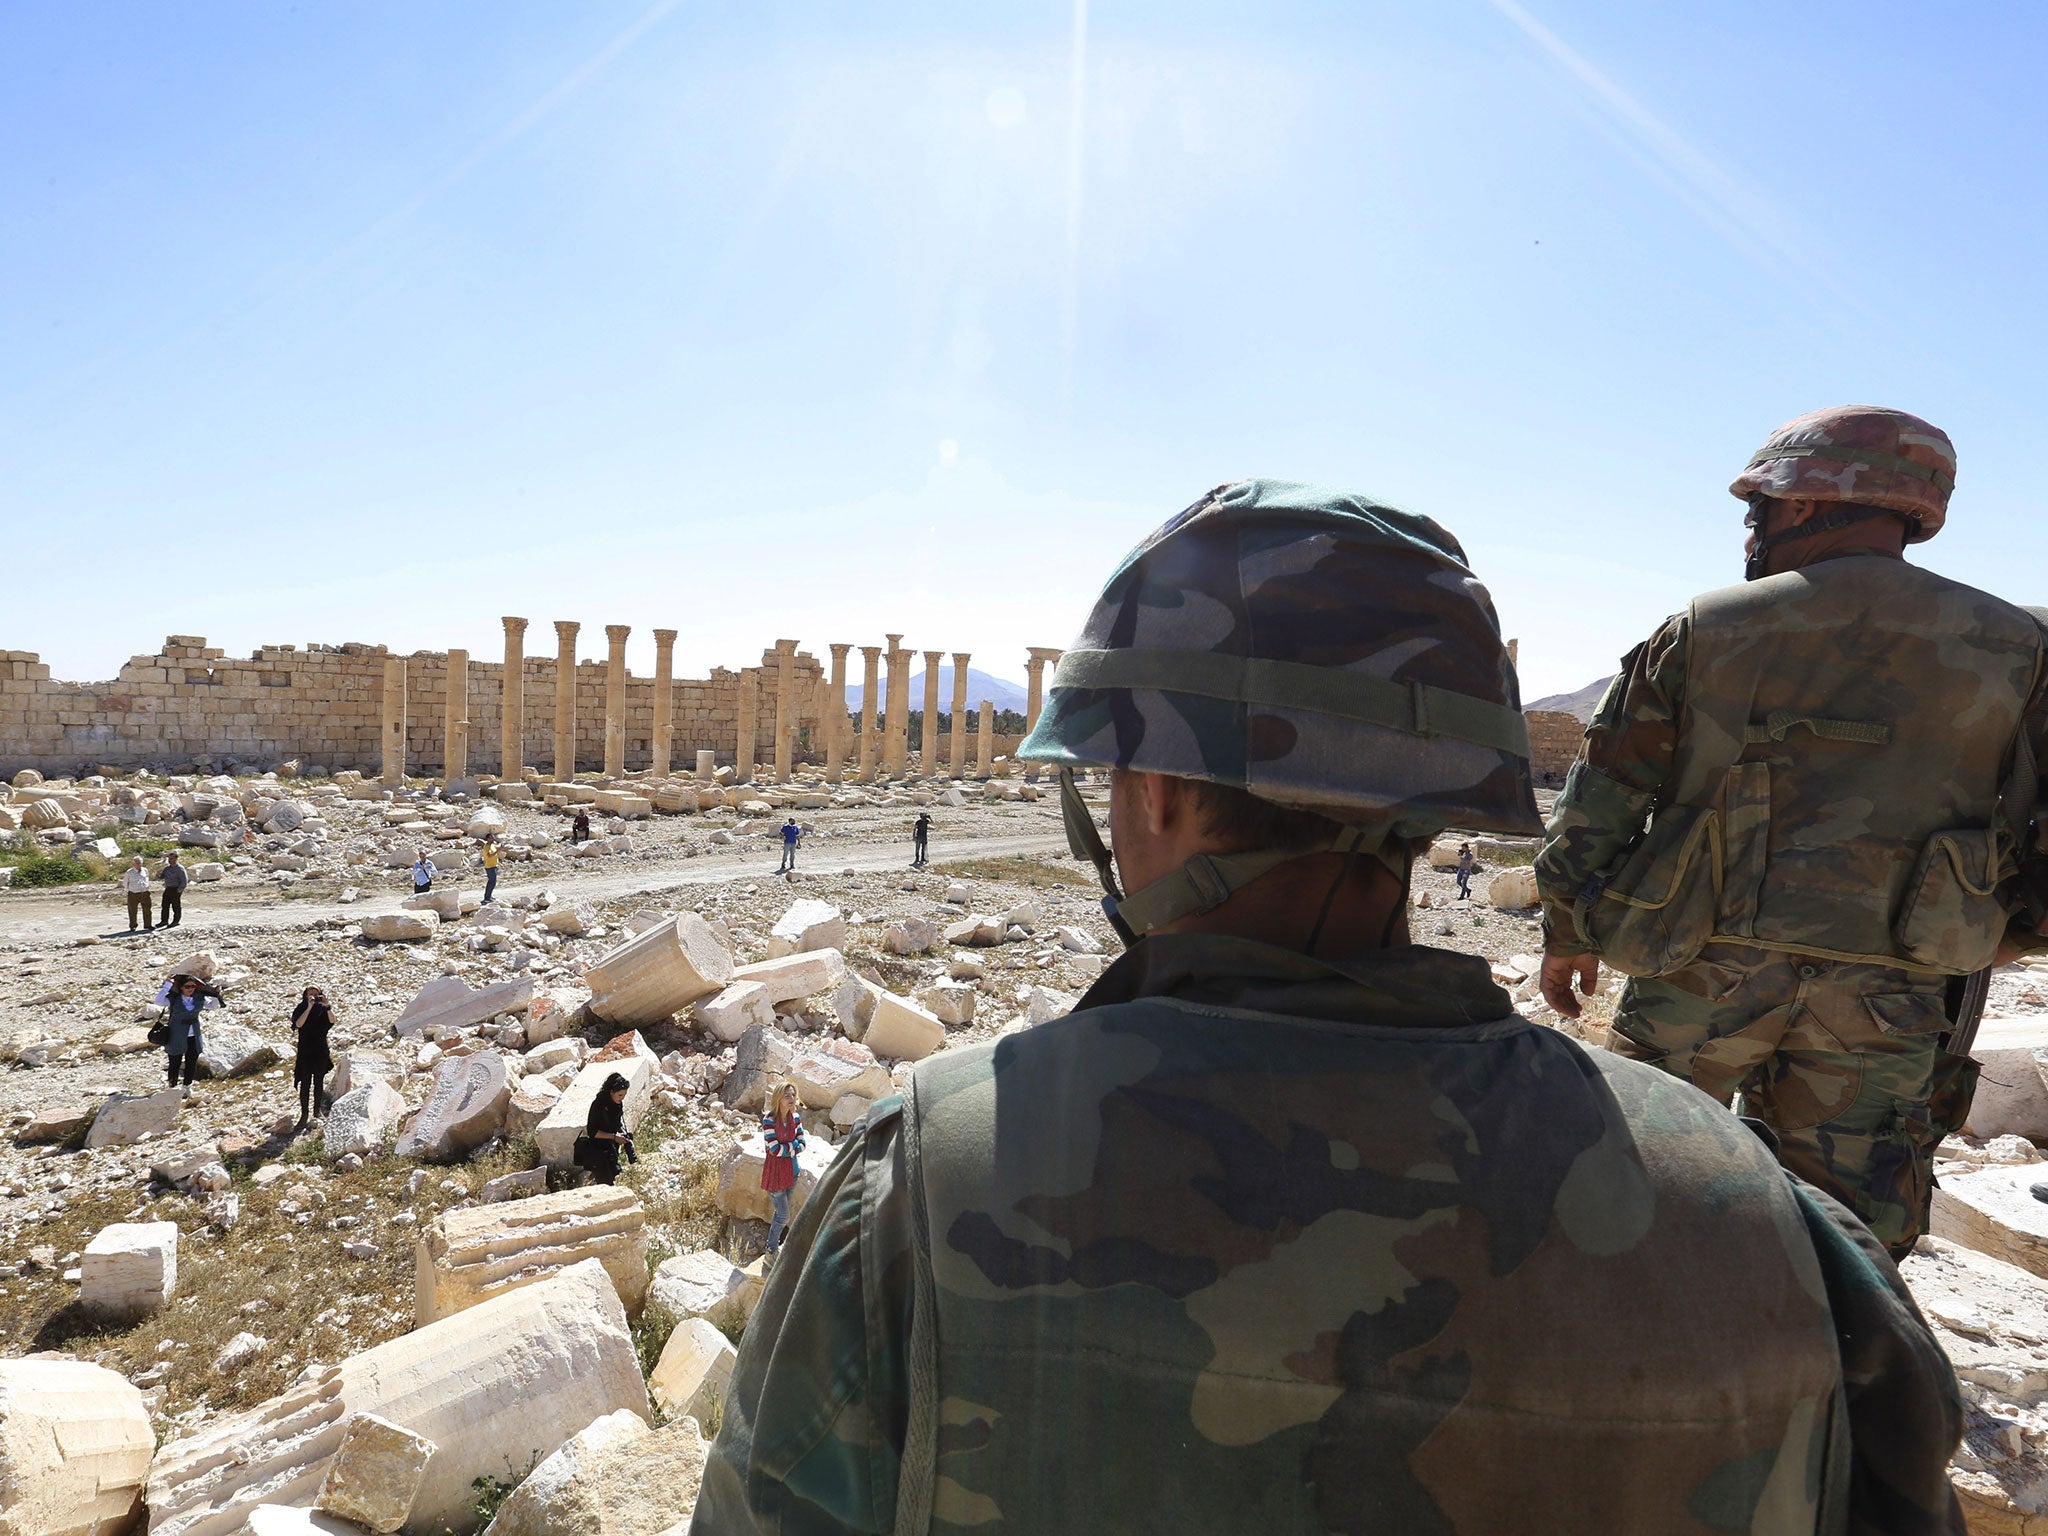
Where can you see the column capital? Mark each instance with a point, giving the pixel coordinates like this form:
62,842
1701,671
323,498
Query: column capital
895,642
961,658
565,630
664,638
1041,654
514,627
933,658
786,647
616,633
872,652
839,648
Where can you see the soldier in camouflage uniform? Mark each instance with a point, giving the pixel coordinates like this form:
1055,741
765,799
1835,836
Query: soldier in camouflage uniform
1803,811
1290,1226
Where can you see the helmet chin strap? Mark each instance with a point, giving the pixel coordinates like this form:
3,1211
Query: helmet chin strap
1202,884
1842,514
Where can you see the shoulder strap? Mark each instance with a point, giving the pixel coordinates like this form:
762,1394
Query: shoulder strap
917,1471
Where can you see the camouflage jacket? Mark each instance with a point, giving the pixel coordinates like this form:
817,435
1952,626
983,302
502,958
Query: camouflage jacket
1827,748
1253,1242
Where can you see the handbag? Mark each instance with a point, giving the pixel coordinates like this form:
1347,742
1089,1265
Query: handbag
584,1153
159,1033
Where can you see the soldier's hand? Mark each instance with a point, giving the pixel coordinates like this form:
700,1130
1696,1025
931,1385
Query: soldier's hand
1559,971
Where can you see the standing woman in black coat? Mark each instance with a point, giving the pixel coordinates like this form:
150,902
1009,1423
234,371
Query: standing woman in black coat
311,1021
606,1129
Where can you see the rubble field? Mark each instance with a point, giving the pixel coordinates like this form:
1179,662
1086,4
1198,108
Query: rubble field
246,1320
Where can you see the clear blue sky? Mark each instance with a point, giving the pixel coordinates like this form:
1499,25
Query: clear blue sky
375,321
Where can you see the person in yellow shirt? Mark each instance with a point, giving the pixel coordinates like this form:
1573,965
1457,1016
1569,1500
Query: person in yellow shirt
490,868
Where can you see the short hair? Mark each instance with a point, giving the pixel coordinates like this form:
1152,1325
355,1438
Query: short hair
1244,823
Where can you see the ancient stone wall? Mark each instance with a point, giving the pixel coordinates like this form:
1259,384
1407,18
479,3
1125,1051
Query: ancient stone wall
324,705
1553,744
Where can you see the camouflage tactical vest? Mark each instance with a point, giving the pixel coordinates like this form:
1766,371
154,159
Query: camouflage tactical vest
1846,733
1213,1269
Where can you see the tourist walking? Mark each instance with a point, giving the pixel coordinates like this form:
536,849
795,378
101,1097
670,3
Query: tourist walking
782,1131
606,1133
423,872
1466,864
920,838
490,869
174,877
791,832
184,999
135,881
311,1021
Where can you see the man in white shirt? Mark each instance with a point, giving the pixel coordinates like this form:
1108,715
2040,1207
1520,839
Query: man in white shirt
135,881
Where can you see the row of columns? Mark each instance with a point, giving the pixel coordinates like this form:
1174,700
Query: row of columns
885,750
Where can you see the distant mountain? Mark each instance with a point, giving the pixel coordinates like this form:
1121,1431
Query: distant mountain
980,685
1579,705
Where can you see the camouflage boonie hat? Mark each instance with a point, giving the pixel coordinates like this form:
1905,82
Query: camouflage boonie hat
1318,649
1858,453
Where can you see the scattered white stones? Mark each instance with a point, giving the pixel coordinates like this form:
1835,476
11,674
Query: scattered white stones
376,1473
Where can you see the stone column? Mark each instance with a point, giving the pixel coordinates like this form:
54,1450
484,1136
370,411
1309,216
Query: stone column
455,735
985,753
664,700
743,752
394,721
565,699
870,742
929,754
785,708
959,742
512,718
835,715
896,727
1034,671
615,700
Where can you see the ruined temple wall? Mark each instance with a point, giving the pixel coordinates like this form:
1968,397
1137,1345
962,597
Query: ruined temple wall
324,706
1554,740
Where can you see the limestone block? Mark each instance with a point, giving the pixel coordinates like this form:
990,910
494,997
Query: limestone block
1042,1005
129,1269
616,1478
449,1002
399,927
901,1030
42,815
446,903
204,874
1992,1322
495,1387
56,1123
488,821
2012,1091
1513,889
847,1109
789,977
980,930
693,1372
853,1004
128,1117
1991,1211
508,793
763,1056
733,1011
619,802
375,1474
530,1105
547,1015
286,816
468,1256
950,1002
552,1053
657,974
911,936
465,1109
189,836
837,1067
1077,942
75,1443
807,925
232,1050
290,1520
570,922
362,1119
522,1185
705,1284
631,1058
739,1178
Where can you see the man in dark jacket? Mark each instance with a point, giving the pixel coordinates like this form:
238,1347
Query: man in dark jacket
175,877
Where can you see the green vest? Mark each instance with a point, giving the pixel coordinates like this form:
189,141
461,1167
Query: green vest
1215,1269
1846,740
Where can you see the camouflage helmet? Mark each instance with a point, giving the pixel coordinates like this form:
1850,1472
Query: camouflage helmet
1311,646
1862,454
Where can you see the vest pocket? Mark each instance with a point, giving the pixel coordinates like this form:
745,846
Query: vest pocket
1951,918
1656,912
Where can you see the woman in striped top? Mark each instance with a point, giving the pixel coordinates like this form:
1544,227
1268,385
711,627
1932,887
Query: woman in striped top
783,1130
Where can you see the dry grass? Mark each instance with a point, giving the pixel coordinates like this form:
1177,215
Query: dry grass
1019,869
